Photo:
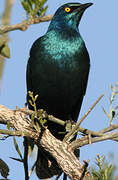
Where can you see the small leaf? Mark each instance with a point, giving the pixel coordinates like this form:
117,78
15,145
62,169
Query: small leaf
30,102
30,144
34,8
26,6
111,87
5,51
32,116
106,112
36,126
4,169
17,148
113,113
30,149
36,97
44,121
116,92
43,11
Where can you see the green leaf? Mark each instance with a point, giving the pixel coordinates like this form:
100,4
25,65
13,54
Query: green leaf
4,169
116,92
30,144
104,171
112,87
30,149
105,112
43,11
26,6
35,98
36,126
17,148
95,174
113,113
5,51
30,102
34,7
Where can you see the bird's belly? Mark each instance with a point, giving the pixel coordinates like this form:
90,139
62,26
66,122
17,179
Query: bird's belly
59,87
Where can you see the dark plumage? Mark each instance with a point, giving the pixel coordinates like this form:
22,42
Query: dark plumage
58,67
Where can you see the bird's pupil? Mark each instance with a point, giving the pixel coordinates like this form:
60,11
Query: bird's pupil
67,9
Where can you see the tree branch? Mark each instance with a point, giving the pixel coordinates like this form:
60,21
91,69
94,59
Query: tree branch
85,131
84,141
4,38
61,151
75,128
58,149
25,24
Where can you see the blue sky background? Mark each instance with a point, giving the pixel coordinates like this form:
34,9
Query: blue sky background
99,28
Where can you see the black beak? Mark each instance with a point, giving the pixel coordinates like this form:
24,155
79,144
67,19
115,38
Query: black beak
83,7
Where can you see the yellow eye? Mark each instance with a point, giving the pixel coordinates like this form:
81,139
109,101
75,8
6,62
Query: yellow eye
67,9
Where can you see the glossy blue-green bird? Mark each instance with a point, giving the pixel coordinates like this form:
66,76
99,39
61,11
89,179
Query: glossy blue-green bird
58,67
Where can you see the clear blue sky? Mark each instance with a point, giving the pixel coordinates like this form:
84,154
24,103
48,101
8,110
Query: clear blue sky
99,28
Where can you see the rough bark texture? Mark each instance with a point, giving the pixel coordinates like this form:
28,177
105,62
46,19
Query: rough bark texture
59,150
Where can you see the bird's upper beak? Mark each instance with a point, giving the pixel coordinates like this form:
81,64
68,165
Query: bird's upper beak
82,7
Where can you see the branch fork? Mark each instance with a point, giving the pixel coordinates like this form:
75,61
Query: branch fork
62,151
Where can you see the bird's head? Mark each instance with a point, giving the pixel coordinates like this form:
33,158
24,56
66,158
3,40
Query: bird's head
68,15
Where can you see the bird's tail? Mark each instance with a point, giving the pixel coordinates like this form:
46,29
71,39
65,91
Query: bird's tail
46,165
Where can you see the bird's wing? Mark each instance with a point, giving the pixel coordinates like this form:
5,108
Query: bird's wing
85,62
32,63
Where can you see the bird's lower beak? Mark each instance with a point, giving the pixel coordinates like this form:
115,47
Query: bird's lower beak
82,7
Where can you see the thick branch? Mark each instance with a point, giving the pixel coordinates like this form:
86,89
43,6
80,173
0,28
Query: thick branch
17,120
25,24
65,158
80,129
59,150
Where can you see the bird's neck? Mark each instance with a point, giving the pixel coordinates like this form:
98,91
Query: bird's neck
66,34
61,24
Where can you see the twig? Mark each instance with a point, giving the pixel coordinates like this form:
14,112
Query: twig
88,131
6,17
75,128
44,115
89,138
4,138
84,167
25,24
13,133
86,114
110,128
84,141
